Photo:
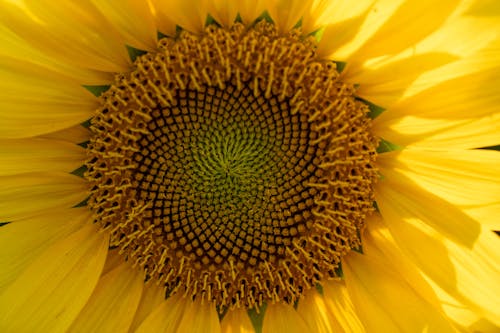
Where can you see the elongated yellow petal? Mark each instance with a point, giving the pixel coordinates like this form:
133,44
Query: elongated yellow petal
323,13
475,41
281,317
478,274
465,266
463,316
73,32
225,11
459,113
468,178
409,24
51,291
166,317
113,261
30,194
442,134
152,297
35,100
383,299
287,13
200,317
237,321
112,305
383,243
74,134
466,97
317,315
165,24
39,155
133,19
486,215
24,240
386,84
340,305
188,14
337,34
412,202
13,46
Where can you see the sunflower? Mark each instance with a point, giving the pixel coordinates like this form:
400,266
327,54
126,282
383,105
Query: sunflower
249,166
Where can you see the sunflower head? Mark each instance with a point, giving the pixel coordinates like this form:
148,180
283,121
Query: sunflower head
234,166
249,166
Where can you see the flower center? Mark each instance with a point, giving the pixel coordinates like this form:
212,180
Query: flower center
233,166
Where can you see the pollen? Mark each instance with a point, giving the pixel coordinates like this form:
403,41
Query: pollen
233,166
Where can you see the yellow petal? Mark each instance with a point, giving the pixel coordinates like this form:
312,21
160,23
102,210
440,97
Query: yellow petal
320,14
281,317
382,242
152,297
51,291
224,10
165,24
468,178
73,32
475,40
409,24
458,113
74,134
188,14
287,13
39,155
386,84
13,46
340,305
112,305
465,267
339,33
236,321
200,317
463,317
30,194
478,274
133,19
383,299
35,101
403,196
486,215
24,240
166,317
441,133
316,314
113,261
466,97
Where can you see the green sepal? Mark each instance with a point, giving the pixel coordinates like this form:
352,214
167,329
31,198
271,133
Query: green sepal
375,110
340,66
257,317
79,171
320,290
82,204
211,20
318,34
97,90
86,123
160,35
134,53
264,16
385,146
491,147
84,144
